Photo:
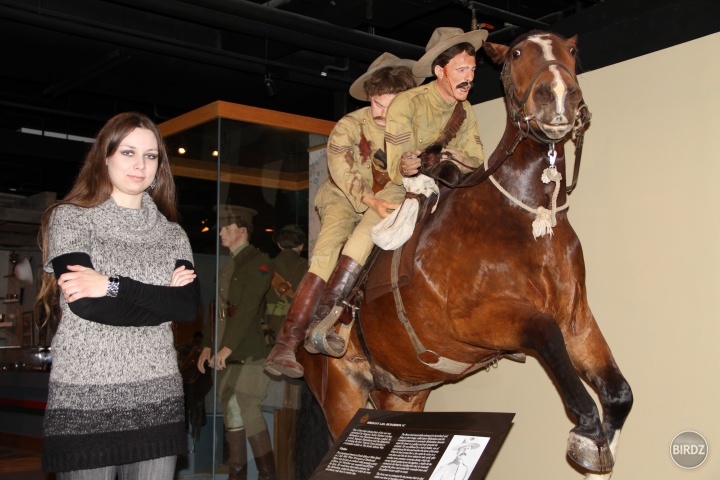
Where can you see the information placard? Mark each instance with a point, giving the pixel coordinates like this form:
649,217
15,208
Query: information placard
387,445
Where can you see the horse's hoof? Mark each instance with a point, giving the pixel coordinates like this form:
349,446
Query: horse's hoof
589,454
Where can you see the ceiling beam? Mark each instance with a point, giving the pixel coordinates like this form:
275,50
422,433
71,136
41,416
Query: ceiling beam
169,46
507,16
300,23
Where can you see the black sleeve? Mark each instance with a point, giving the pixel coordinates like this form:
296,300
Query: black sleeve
177,303
118,311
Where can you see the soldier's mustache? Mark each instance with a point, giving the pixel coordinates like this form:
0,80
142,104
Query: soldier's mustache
379,119
462,85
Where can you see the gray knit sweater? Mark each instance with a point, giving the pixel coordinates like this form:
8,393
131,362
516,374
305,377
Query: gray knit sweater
115,393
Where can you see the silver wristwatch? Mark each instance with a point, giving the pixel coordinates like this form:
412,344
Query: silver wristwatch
113,286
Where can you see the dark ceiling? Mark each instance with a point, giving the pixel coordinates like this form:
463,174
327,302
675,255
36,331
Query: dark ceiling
68,65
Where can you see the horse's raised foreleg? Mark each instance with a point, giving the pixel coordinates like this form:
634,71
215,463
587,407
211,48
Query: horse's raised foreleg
593,359
587,444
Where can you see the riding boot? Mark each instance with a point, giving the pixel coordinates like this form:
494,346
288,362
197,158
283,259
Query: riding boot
340,282
263,453
281,360
237,454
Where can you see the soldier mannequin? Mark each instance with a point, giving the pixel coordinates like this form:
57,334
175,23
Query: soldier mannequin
244,280
414,120
418,117
348,208
291,240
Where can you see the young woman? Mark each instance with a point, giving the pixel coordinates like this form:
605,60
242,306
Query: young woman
119,270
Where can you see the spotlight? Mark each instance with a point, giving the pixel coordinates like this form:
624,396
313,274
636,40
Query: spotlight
270,88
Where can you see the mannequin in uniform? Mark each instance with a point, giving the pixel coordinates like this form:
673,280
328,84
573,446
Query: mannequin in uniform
243,282
353,200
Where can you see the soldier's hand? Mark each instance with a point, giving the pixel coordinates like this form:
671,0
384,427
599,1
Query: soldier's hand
410,163
456,156
204,357
218,362
382,207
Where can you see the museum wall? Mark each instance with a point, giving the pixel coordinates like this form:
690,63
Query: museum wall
646,211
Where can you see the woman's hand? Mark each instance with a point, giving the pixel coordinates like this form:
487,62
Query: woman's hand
181,277
82,282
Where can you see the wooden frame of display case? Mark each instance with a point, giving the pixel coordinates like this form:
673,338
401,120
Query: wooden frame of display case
232,174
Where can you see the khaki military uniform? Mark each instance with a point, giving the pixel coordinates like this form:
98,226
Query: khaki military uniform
291,266
417,117
345,219
244,281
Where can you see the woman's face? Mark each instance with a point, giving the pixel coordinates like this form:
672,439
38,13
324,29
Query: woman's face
133,166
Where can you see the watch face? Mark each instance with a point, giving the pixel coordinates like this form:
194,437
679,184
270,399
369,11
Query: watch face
113,286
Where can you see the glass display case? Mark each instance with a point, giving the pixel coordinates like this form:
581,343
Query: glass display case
267,161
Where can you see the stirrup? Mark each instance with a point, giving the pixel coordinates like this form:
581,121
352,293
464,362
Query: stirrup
317,338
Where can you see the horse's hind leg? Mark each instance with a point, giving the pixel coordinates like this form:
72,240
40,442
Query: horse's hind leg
383,400
587,444
341,386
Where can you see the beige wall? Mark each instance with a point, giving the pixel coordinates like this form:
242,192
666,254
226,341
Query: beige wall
647,210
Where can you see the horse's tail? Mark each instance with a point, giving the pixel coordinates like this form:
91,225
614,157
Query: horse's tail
313,436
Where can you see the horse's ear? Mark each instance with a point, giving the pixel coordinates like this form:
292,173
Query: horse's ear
495,51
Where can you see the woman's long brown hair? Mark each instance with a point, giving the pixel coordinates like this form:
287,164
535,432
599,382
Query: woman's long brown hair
93,187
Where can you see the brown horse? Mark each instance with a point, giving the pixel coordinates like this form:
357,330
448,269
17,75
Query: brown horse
484,287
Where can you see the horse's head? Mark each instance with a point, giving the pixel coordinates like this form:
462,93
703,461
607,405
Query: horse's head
541,89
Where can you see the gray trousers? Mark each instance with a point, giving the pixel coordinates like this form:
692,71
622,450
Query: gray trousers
155,469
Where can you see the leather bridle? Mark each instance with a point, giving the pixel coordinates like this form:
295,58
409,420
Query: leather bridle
518,116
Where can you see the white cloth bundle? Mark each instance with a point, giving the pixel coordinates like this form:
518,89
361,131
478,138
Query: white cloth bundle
395,229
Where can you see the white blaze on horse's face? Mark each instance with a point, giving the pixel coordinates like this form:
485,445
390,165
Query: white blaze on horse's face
552,116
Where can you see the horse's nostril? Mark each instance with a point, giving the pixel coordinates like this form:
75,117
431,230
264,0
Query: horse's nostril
543,94
576,97
574,94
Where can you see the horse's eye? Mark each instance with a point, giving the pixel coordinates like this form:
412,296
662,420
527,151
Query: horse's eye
516,53
573,51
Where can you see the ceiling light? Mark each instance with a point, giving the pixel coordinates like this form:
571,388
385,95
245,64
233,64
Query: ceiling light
270,88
